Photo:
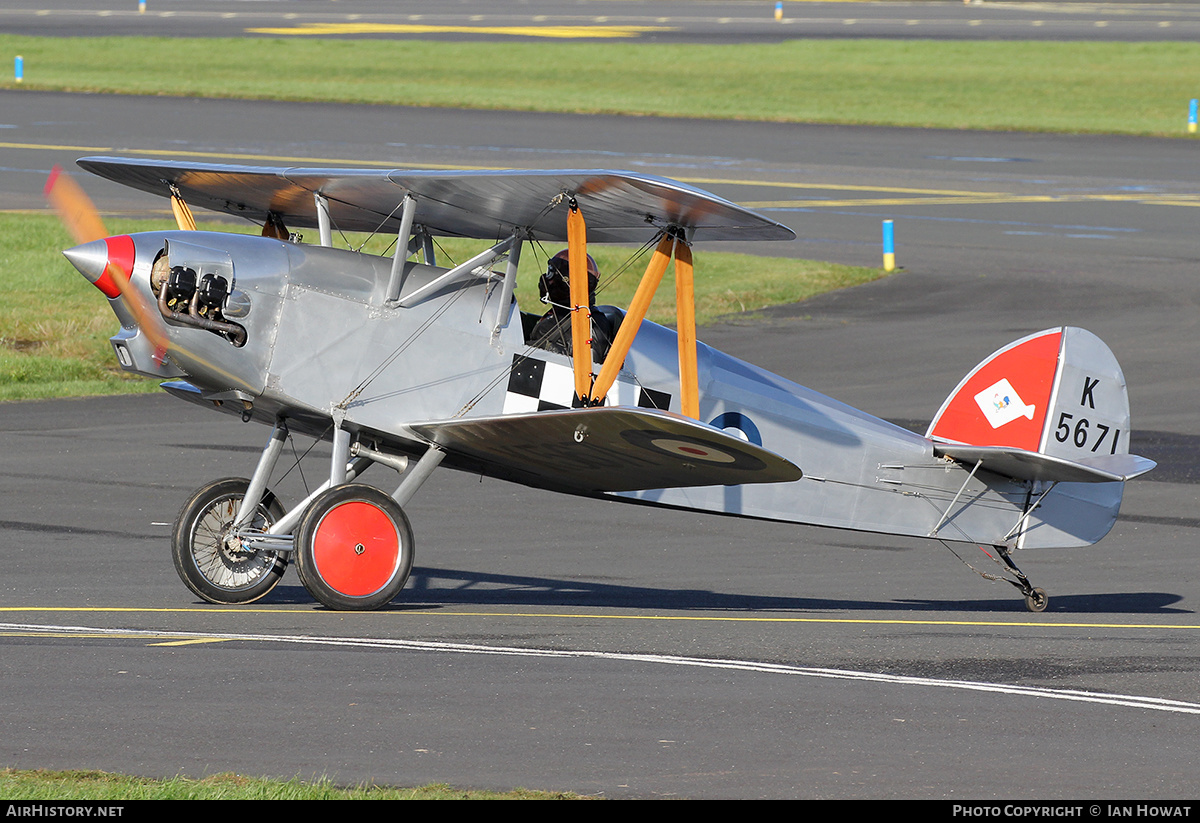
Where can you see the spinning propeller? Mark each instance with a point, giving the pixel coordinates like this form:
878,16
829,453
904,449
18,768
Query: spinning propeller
105,261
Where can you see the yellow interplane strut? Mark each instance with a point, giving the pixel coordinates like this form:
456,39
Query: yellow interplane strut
581,309
689,391
183,215
685,325
633,319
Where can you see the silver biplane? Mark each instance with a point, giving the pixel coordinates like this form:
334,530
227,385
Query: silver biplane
400,361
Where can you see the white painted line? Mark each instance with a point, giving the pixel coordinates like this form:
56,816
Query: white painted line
1074,695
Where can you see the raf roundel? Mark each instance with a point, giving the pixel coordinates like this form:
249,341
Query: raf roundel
692,449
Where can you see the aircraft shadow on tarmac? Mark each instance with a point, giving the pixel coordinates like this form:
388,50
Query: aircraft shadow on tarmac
433,588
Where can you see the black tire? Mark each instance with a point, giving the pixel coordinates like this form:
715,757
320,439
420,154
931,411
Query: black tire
354,548
1036,600
206,564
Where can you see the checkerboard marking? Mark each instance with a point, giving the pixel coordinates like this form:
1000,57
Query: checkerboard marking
538,385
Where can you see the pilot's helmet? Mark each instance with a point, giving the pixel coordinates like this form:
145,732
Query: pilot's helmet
554,287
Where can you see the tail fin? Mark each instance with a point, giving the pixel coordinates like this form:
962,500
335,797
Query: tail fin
1050,408
1057,399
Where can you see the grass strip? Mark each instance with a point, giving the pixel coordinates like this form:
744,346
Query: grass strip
1117,88
18,785
54,325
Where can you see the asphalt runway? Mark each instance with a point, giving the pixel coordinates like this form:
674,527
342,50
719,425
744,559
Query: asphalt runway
661,654
648,21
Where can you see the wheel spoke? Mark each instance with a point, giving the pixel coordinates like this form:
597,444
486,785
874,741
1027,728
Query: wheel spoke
219,569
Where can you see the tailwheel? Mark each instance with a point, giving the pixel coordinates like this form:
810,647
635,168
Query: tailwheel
210,560
354,548
1036,600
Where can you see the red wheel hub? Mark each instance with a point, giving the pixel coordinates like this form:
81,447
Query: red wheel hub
356,549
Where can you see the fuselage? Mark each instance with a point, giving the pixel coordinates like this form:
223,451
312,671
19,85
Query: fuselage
320,336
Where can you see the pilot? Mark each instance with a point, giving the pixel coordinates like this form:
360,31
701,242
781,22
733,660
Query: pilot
553,330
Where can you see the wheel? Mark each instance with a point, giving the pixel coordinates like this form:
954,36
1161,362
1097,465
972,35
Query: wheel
209,562
354,548
1036,600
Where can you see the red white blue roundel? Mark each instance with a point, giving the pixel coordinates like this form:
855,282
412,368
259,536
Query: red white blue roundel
691,448
686,448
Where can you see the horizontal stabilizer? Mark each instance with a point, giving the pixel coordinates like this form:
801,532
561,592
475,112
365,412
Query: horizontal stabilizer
608,449
1026,465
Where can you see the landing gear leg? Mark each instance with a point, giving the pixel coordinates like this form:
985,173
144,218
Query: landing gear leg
1036,599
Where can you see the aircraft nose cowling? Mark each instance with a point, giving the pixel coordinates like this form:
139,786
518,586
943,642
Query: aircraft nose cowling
93,260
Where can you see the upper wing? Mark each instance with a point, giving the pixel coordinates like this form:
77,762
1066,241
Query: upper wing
620,207
607,449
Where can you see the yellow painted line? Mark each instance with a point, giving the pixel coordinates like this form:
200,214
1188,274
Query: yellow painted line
417,612
1172,201
553,32
215,155
61,635
895,201
71,635
826,186
148,610
981,198
75,635
53,147
318,161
